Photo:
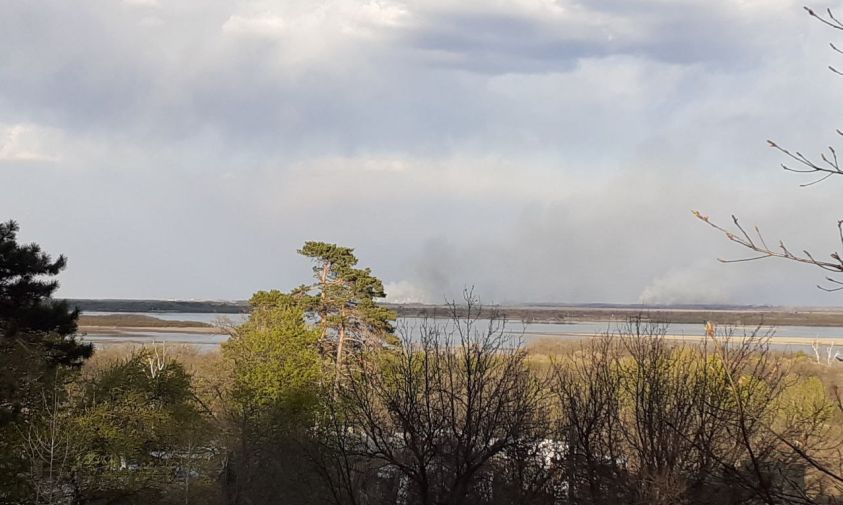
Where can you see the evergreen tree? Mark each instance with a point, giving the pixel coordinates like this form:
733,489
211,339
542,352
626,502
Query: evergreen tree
36,332
37,346
342,301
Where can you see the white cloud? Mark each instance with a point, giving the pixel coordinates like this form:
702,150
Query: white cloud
319,24
383,13
466,177
543,150
142,3
262,26
20,143
339,165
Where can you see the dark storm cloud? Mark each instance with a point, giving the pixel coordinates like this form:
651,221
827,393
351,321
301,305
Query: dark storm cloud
556,40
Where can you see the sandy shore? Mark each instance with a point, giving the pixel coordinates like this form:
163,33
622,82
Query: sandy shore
691,339
150,329
138,332
93,330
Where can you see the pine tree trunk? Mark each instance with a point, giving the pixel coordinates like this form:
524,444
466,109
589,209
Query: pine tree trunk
340,342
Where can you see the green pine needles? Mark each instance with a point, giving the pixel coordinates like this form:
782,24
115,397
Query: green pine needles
341,302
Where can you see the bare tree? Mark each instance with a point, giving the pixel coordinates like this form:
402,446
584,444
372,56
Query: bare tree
587,391
830,353
647,420
431,421
47,444
822,167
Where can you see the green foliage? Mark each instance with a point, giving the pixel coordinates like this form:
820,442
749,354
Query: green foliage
276,392
36,332
132,423
335,257
342,300
805,398
26,289
38,351
276,360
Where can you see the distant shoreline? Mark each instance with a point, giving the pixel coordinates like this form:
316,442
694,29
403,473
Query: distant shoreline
162,306
128,327
536,313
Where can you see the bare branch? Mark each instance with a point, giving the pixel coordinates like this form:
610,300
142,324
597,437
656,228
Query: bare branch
742,238
830,20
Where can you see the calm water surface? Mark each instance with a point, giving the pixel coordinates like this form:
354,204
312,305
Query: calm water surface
529,331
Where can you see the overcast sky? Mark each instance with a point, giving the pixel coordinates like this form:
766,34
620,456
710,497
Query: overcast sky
540,150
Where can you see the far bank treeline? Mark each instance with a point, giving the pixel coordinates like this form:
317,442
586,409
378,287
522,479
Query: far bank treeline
727,314
319,398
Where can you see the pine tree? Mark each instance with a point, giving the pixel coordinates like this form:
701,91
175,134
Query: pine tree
37,348
36,331
342,301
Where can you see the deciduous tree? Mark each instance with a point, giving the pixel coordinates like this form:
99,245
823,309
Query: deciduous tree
275,392
439,420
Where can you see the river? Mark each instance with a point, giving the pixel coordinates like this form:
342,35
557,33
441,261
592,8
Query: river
786,338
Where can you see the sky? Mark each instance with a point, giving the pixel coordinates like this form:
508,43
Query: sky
538,150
